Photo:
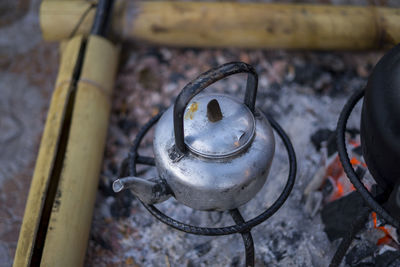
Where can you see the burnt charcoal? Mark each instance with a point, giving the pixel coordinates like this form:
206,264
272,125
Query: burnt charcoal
190,264
340,84
325,135
358,150
338,215
202,249
364,264
353,132
149,79
360,171
274,91
320,136
331,145
279,255
123,170
329,136
308,73
281,240
121,207
126,125
105,188
388,259
112,167
101,242
296,236
157,54
175,77
235,261
327,188
333,64
360,252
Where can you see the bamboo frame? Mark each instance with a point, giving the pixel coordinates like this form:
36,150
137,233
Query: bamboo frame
45,162
70,174
71,218
249,25
63,19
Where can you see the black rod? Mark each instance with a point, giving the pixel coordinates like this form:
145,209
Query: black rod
246,236
355,227
237,228
102,17
344,159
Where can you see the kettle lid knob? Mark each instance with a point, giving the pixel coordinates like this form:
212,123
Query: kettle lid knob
214,113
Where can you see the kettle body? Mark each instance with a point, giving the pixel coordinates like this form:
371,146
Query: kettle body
215,183
212,151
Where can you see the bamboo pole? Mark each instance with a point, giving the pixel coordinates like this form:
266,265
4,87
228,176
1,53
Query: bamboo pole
63,19
247,25
45,163
70,221
59,209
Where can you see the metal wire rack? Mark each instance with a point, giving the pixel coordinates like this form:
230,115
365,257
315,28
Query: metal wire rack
241,225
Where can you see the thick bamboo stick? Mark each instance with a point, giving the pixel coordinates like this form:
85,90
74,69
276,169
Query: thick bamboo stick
58,215
266,25
249,25
70,221
63,19
45,164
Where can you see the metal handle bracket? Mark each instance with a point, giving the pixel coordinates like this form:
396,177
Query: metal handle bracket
202,82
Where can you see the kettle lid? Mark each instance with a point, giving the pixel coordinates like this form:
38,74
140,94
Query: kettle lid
217,126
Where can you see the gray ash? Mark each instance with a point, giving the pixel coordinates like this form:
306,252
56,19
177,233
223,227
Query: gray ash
149,80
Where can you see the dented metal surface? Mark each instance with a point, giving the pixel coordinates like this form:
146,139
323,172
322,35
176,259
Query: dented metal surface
211,164
215,184
226,137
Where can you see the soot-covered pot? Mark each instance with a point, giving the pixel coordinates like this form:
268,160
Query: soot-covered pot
380,123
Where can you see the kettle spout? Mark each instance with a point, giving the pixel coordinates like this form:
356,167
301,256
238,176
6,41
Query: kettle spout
149,191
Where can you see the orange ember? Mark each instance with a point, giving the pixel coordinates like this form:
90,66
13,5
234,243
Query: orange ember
354,161
339,191
354,143
335,169
386,239
342,185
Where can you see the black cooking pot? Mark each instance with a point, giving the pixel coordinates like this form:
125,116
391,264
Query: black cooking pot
380,121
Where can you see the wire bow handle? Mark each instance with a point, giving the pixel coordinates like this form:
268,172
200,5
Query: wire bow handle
202,82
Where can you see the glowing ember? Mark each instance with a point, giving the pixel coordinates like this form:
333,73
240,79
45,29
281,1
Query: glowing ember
354,161
387,238
341,185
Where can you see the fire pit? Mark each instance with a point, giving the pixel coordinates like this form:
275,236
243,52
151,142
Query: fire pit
304,92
